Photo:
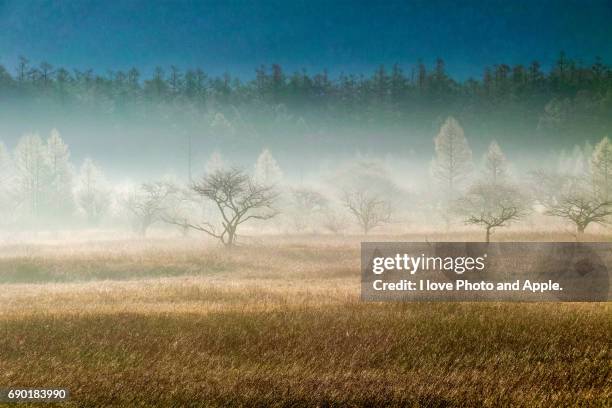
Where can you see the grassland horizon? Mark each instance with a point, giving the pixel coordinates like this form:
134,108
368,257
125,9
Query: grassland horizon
278,321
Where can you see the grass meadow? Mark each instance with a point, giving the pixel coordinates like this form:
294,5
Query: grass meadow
279,322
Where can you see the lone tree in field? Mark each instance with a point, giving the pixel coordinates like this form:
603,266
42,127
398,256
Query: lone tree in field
582,211
238,199
571,198
453,161
369,209
149,204
368,193
491,206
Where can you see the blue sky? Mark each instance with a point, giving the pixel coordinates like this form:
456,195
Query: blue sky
348,36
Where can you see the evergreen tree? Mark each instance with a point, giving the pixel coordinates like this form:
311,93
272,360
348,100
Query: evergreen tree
453,161
267,170
92,192
6,183
601,169
495,163
32,174
60,174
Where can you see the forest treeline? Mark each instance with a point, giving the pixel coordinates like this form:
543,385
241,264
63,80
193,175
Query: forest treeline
569,100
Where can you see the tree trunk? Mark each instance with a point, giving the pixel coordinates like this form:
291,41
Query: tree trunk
580,228
231,238
488,235
144,226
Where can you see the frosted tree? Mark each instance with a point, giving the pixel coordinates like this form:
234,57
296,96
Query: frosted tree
6,182
93,192
32,173
601,169
5,167
451,165
215,163
577,162
453,161
495,164
221,126
580,160
267,170
60,174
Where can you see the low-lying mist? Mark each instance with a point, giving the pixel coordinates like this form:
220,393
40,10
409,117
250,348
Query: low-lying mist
407,148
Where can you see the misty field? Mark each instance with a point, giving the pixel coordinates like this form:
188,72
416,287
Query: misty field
278,322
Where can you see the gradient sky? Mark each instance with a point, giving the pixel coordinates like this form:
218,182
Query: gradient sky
349,36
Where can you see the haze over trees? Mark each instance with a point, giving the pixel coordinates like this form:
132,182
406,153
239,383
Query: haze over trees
601,169
453,161
93,192
368,192
307,207
496,164
452,164
150,204
571,101
572,198
41,190
267,171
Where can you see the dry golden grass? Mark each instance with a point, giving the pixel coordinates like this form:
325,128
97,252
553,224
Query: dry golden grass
278,323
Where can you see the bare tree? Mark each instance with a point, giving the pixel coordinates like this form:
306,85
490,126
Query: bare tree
149,203
238,200
182,206
369,209
368,192
572,198
582,210
335,221
491,205
305,207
